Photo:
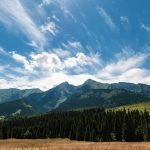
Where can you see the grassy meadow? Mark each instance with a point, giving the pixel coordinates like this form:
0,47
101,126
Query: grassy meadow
65,144
140,106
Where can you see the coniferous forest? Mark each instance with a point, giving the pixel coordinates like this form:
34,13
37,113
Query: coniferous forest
88,125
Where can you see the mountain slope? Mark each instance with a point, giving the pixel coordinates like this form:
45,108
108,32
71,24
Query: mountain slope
7,95
37,102
65,97
51,99
140,88
101,98
18,108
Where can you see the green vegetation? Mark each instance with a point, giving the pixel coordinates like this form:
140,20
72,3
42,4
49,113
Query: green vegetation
101,98
17,108
137,106
88,125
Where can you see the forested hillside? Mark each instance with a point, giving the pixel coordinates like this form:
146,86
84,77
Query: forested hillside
101,98
88,125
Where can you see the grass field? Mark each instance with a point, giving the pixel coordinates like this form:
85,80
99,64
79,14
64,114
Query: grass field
139,106
65,144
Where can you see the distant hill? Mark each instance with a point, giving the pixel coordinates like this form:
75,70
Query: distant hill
18,108
140,88
101,98
36,103
7,95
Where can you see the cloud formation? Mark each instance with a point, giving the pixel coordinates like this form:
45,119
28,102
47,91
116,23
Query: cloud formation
14,16
51,62
146,28
124,21
49,27
49,69
107,18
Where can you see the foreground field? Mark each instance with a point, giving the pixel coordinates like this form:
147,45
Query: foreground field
65,144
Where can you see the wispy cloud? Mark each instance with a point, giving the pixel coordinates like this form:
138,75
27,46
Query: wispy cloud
49,27
146,28
62,53
14,15
73,46
107,18
124,64
44,70
128,68
124,21
45,2
2,51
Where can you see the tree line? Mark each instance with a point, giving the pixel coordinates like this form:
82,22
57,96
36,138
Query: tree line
87,125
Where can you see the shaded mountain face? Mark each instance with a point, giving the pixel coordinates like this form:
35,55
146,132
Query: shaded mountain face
101,98
37,103
66,97
18,108
140,88
51,99
7,95
96,94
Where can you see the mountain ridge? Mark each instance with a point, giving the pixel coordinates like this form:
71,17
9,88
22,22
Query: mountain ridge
58,96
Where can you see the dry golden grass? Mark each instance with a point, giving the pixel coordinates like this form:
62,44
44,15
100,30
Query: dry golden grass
65,144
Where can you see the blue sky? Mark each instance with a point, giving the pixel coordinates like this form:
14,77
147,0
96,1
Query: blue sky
46,42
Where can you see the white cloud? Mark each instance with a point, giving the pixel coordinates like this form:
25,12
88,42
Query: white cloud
46,61
122,66
49,27
86,29
65,10
51,62
33,44
73,46
124,20
133,75
62,53
126,69
2,51
14,15
146,28
45,70
45,2
44,83
107,18
23,60
81,60
2,68
55,18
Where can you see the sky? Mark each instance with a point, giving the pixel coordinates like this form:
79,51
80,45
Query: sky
46,42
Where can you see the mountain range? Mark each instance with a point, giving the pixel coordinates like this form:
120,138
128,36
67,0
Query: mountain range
15,102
